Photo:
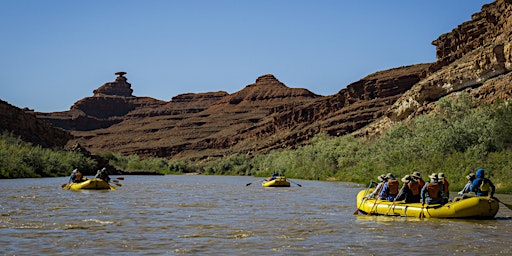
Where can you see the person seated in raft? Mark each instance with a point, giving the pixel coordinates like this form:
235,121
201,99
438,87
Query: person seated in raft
446,186
470,177
481,185
102,174
382,179
274,175
390,189
78,177
72,177
432,192
417,177
410,191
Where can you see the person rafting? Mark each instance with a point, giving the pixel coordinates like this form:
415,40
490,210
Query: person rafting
432,192
273,177
410,191
446,186
417,177
102,174
481,185
390,189
470,177
382,179
76,177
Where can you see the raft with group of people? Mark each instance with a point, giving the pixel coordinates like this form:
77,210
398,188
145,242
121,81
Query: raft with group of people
417,198
100,182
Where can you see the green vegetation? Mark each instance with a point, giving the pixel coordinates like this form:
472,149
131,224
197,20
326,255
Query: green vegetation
20,159
459,137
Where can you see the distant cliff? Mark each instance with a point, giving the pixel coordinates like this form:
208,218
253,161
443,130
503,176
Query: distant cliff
474,57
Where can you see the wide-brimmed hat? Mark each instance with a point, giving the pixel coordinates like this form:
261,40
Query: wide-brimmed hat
416,175
381,177
406,178
433,176
440,175
470,176
390,176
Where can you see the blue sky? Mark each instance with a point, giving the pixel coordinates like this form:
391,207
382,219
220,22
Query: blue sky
54,53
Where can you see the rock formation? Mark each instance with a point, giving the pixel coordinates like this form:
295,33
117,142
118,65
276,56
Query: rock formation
23,123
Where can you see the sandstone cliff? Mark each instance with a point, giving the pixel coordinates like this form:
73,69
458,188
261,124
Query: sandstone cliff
23,123
475,57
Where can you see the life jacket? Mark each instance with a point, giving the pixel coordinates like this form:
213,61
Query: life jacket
484,186
445,185
421,182
414,187
433,189
393,187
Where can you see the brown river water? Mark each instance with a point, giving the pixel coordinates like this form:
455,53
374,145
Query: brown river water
220,215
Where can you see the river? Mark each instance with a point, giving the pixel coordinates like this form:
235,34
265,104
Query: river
220,215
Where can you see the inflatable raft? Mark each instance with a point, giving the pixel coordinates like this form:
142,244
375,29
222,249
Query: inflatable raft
279,181
472,208
90,184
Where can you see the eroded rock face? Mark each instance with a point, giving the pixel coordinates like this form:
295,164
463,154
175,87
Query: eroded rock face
24,123
472,54
120,87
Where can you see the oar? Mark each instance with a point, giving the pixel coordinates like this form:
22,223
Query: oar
509,206
120,178
248,184
362,200
421,213
295,183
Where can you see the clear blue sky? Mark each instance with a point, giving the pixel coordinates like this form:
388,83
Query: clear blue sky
54,53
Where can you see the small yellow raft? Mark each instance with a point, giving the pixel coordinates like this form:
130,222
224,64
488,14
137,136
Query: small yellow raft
94,183
279,181
478,207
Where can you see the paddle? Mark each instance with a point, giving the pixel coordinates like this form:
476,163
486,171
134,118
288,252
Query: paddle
509,206
248,184
421,213
120,178
295,183
365,193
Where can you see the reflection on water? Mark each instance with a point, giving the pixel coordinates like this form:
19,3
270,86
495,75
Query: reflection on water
198,215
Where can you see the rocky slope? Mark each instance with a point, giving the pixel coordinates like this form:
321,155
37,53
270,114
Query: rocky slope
475,57
23,123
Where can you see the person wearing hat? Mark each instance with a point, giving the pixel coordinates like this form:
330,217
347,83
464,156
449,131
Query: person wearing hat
390,189
382,179
432,192
481,185
471,177
102,174
446,185
417,177
410,191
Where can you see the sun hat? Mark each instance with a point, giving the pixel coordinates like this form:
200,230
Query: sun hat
433,176
381,177
416,175
406,178
440,175
390,176
470,176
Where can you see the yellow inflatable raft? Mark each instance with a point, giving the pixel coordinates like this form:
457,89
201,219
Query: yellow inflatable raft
279,181
473,207
90,184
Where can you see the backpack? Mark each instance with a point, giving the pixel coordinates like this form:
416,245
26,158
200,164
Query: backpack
484,186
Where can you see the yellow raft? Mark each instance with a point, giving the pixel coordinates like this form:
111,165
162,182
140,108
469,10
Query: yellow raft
478,207
279,181
94,183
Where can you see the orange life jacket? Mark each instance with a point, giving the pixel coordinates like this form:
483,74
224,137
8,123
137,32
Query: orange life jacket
414,187
445,185
393,187
433,189
421,182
